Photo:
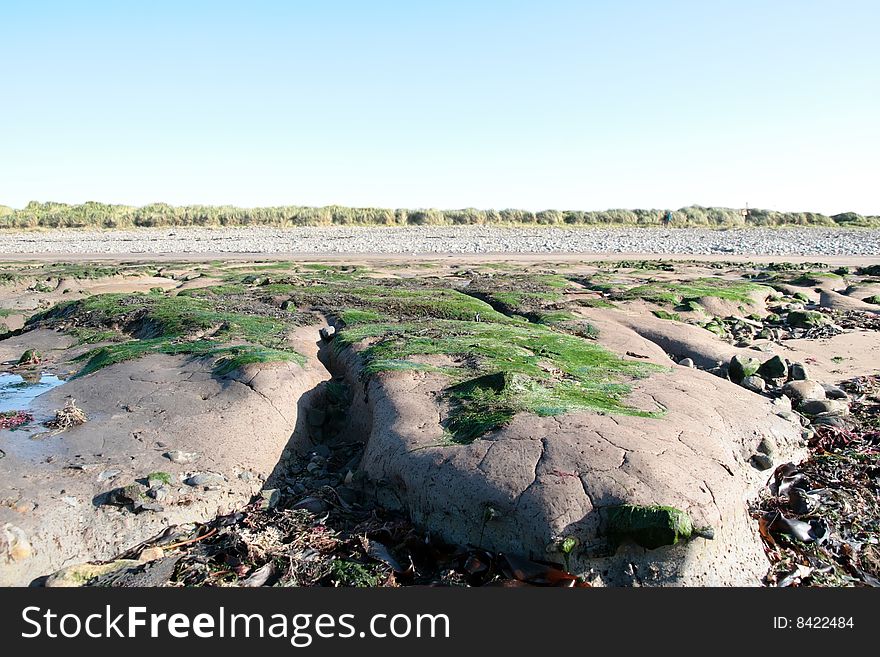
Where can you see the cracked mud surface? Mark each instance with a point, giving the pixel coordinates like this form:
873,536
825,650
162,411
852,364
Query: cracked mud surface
598,407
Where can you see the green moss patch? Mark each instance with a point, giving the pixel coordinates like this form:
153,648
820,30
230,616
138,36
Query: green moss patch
500,370
677,293
234,331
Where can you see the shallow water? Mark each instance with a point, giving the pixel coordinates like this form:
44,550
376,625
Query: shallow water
17,392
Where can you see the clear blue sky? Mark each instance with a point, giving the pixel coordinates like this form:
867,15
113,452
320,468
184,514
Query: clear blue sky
545,104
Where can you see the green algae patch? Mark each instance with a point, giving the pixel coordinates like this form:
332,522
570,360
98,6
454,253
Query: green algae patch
650,527
234,331
678,293
499,370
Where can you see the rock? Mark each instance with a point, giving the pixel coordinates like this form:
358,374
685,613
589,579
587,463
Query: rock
686,362
176,456
797,372
834,392
767,446
774,368
205,479
81,574
327,333
650,527
288,304
106,475
806,319
30,357
151,554
741,367
783,403
130,494
830,420
269,498
761,461
312,505
754,383
14,544
161,493
822,406
803,390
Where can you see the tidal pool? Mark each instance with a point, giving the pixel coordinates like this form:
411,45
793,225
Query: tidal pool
17,391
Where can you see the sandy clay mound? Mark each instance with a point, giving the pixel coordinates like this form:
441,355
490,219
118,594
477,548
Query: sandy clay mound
528,487
167,441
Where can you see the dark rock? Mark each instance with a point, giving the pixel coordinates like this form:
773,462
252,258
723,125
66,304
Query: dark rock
774,368
761,461
686,362
834,392
823,406
312,505
797,372
327,333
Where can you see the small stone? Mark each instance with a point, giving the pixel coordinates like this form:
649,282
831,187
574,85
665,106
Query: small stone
686,362
803,390
834,392
823,406
782,403
830,420
740,367
130,494
269,498
24,507
106,475
761,461
767,446
14,544
205,479
312,505
161,493
754,383
797,372
176,456
327,333
151,554
774,368
246,476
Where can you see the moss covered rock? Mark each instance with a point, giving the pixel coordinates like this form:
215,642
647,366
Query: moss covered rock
741,367
649,526
806,319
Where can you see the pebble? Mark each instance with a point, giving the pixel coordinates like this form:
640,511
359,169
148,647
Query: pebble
312,505
176,456
687,362
205,479
448,239
754,383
